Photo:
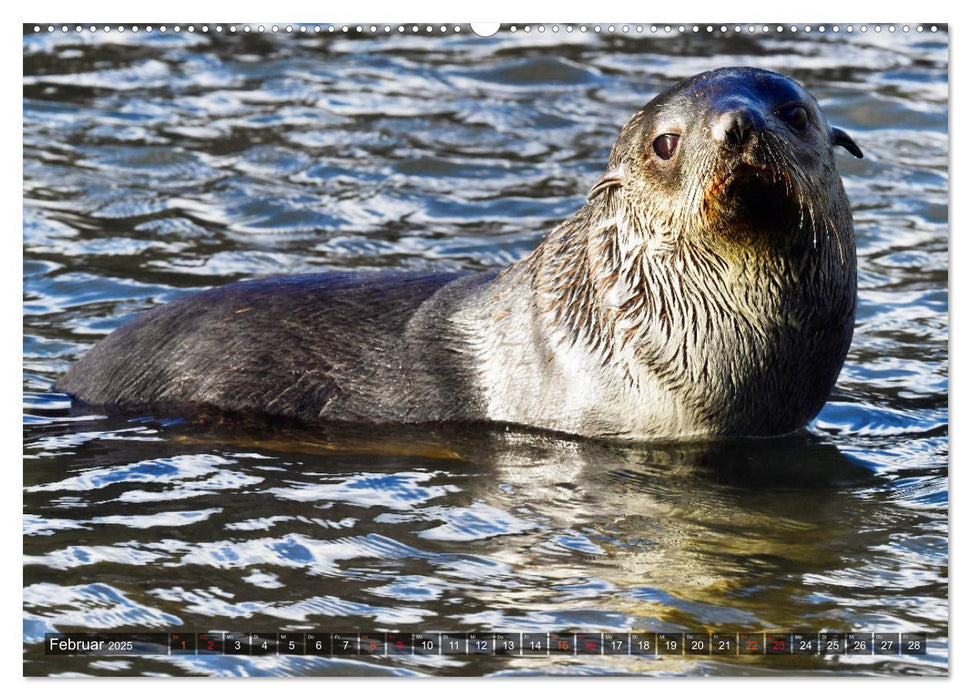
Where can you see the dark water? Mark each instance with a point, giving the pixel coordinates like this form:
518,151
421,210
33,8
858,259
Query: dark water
159,165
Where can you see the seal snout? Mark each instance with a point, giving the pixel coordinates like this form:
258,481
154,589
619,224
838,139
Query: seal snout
735,128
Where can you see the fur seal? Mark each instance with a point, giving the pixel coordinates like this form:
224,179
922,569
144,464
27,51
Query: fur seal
706,288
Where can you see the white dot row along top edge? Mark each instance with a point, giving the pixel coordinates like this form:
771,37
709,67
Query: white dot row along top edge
486,29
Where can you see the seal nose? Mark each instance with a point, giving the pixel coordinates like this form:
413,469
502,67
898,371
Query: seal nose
734,129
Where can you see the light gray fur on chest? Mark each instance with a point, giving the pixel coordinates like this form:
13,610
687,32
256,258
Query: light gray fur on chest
704,358
531,372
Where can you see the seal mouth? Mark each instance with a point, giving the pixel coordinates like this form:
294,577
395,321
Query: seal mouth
751,193
747,181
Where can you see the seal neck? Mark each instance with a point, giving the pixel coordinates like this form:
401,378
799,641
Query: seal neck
725,331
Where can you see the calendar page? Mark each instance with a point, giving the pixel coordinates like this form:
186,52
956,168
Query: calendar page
449,349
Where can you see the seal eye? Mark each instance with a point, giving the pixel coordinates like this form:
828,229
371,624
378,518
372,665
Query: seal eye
797,118
665,145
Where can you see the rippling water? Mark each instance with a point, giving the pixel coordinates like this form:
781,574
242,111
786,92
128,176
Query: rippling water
159,165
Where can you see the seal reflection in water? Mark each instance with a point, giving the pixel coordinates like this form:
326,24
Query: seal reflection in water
706,288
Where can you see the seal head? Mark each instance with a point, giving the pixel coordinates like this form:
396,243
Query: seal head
738,154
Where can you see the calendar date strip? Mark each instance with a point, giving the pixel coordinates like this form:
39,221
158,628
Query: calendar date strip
484,643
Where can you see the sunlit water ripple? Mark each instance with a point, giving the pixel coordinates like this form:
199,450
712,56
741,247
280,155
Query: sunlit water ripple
158,165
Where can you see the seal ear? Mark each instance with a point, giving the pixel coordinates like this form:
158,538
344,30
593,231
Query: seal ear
841,138
612,178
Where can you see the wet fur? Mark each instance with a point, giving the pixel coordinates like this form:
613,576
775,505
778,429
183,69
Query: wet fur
339,346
